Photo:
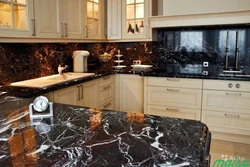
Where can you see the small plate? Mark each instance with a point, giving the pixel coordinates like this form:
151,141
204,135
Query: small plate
118,61
119,67
140,66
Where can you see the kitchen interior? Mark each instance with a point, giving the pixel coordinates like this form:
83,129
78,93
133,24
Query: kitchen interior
119,66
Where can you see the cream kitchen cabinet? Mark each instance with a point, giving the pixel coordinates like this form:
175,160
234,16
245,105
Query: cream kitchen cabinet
16,18
134,24
114,22
59,19
70,95
94,15
106,92
173,97
89,94
226,109
129,93
85,94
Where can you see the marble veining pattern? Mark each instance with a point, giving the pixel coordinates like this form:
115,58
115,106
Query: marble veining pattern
87,137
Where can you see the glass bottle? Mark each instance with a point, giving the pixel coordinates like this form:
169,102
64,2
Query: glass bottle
130,29
137,31
141,27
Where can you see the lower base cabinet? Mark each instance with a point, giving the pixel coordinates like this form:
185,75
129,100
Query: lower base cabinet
129,93
68,95
174,112
85,94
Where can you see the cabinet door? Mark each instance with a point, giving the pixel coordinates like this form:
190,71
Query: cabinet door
114,19
130,93
135,15
67,96
72,18
16,18
94,23
106,93
89,94
227,122
48,18
174,112
174,97
230,101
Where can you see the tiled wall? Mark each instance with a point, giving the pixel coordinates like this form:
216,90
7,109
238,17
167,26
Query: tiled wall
181,46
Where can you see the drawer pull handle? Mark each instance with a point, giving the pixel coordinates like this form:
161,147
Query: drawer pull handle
104,78
232,115
233,94
174,90
107,105
78,89
171,109
173,79
106,87
82,91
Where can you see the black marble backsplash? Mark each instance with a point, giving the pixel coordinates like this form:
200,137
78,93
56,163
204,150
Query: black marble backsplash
174,47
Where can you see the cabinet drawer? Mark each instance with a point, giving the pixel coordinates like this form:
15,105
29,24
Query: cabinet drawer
227,122
175,82
174,112
106,80
174,97
110,105
227,85
238,102
106,93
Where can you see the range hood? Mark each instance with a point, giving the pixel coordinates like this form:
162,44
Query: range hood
222,18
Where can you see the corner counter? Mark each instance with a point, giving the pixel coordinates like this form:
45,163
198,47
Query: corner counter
78,136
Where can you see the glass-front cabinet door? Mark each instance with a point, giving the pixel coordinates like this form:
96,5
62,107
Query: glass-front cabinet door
135,18
15,16
95,19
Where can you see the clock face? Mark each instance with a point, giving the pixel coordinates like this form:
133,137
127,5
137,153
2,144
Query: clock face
41,103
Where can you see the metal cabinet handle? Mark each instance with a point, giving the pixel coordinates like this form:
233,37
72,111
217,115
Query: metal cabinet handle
232,115
173,79
78,89
237,86
62,29
66,30
146,31
106,87
34,27
82,91
174,90
172,109
107,105
104,78
86,29
233,94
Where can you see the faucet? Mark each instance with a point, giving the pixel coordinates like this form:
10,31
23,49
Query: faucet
60,69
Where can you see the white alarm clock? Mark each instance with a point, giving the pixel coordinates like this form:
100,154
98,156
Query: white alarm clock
41,107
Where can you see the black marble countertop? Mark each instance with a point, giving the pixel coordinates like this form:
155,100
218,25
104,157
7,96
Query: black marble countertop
77,136
213,73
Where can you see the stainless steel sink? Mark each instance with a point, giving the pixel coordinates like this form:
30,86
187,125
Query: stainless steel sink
51,80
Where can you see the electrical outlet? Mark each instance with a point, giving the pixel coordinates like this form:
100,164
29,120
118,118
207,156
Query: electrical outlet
205,73
205,64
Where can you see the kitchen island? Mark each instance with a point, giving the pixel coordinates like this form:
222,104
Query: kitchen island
78,136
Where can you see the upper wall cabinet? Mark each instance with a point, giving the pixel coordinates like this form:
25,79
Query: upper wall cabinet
16,18
134,22
94,22
176,13
59,19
